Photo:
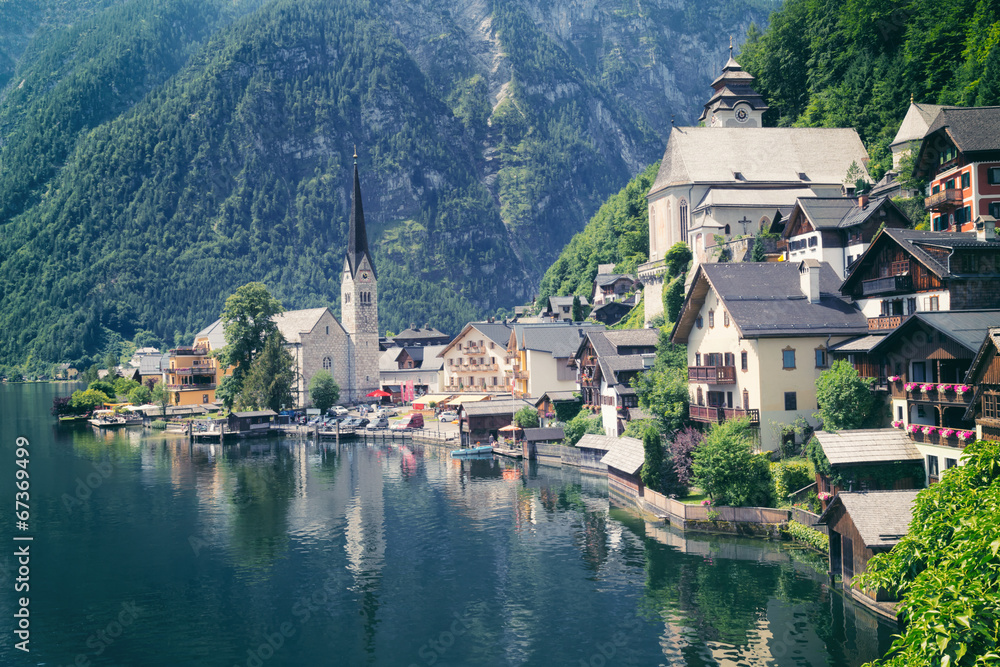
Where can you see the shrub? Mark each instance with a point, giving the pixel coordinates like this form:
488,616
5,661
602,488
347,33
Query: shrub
806,535
159,424
790,476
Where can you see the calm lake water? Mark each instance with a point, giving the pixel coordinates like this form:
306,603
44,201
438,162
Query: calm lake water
150,551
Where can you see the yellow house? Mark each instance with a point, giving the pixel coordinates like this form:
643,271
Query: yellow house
192,375
758,336
543,355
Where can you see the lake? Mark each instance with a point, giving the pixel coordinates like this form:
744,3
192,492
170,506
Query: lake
148,550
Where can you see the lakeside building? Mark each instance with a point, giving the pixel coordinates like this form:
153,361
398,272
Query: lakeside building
316,339
733,177
418,364
476,360
877,459
606,363
984,375
758,336
542,356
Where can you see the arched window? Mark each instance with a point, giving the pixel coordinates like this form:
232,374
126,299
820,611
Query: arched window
765,224
683,217
726,231
327,363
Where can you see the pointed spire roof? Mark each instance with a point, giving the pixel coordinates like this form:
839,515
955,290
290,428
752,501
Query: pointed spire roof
734,85
357,236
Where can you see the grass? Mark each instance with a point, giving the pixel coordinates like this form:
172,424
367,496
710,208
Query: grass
694,498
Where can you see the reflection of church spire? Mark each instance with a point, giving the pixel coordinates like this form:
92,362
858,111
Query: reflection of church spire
357,236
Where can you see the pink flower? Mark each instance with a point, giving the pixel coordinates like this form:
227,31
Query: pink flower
927,388
962,388
965,435
897,424
910,386
947,432
824,496
945,387
928,430
894,378
706,502
914,428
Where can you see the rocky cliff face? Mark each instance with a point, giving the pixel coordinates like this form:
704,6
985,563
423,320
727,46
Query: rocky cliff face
489,130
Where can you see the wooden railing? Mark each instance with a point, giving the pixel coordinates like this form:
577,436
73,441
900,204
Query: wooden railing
740,413
716,415
712,374
936,395
886,285
945,200
881,323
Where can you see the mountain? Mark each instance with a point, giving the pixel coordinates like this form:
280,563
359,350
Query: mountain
158,154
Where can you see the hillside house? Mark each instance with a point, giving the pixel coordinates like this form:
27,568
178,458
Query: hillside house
543,355
606,363
984,375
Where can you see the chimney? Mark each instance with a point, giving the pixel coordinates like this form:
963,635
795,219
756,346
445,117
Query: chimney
862,201
986,228
809,279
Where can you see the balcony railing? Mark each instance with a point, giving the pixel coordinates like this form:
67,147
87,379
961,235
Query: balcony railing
945,200
887,285
935,392
712,374
190,387
188,350
940,438
883,323
195,370
473,349
716,415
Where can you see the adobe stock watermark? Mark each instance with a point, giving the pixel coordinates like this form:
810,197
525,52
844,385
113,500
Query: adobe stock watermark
85,486
437,646
104,637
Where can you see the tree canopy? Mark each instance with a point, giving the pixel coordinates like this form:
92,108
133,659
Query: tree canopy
248,322
727,469
271,377
845,398
323,390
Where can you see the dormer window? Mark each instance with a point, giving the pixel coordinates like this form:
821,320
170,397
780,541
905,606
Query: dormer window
738,175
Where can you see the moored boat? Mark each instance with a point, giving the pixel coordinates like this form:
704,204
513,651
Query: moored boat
472,451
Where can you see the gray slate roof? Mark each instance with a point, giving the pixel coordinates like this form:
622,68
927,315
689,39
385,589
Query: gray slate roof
876,445
713,154
916,122
561,340
966,327
626,454
972,128
745,197
881,517
838,212
765,299
557,396
292,323
604,279
255,413
915,241
597,441
215,335
559,301
862,344
150,365
543,434
416,333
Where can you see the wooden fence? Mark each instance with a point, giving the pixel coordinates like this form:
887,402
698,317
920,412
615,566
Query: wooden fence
808,519
681,513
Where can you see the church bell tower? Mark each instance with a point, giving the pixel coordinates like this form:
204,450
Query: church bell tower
359,302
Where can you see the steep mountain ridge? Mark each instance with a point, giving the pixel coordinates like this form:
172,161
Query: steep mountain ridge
487,137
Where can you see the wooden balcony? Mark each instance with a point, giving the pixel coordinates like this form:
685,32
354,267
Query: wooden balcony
716,415
935,395
887,285
937,438
884,323
712,374
190,387
946,200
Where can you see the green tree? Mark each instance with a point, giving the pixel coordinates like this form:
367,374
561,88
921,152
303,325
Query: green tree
947,568
160,395
248,322
757,254
678,258
845,398
272,374
727,469
87,400
526,417
577,311
663,394
323,390
107,387
653,463
124,385
580,426
140,395
673,299
227,393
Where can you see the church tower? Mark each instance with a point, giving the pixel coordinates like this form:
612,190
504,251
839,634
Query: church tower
734,101
359,302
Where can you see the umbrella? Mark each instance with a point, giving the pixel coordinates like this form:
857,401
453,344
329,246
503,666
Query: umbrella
512,427
378,392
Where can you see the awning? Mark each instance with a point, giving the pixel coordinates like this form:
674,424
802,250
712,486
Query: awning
431,398
457,400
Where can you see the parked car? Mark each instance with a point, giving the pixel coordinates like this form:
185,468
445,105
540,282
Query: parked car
448,416
378,423
412,420
314,421
338,410
387,412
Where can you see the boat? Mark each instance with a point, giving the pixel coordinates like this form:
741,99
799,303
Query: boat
72,419
472,451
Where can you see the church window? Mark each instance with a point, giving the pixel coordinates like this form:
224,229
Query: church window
684,220
347,298
726,230
327,363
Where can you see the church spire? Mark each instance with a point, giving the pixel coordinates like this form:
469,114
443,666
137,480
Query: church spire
357,237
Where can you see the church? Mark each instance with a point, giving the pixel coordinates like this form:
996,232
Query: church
348,349
731,176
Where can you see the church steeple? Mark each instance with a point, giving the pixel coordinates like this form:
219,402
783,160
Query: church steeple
357,236
734,102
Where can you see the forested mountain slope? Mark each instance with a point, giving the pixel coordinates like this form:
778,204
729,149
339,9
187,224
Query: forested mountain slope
158,154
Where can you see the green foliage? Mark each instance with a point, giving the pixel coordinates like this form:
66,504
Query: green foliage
790,476
269,382
580,426
678,259
577,312
623,217
158,424
635,318
845,398
86,400
653,460
728,470
248,323
636,428
140,395
526,417
104,386
324,391
124,385
757,254
822,63
160,395
806,535
673,299
567,410
947,568
227,392
663,390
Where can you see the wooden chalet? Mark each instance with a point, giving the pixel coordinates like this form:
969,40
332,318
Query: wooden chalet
481,419
606,362
869,460
984,374
253,423
905,271
862,525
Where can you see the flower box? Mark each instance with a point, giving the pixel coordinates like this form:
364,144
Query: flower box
897,424
910,386
962,389
928,430
928,388
966,435
824,496
947,432
946,387
894,378
913,428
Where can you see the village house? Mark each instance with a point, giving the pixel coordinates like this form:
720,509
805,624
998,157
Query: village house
836,230
984,375
862,525
561,307
191,374
624,460
610,287
606,363
612,312
758,336
558,406
418,364
905,271
959,155
543,354
416,336
868,460
476,360
481,419
731,177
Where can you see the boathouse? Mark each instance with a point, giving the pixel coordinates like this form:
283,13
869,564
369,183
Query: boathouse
478,421
624,461
862,525
869,460
257,422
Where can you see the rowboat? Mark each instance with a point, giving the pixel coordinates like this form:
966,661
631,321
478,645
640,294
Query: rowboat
473,451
